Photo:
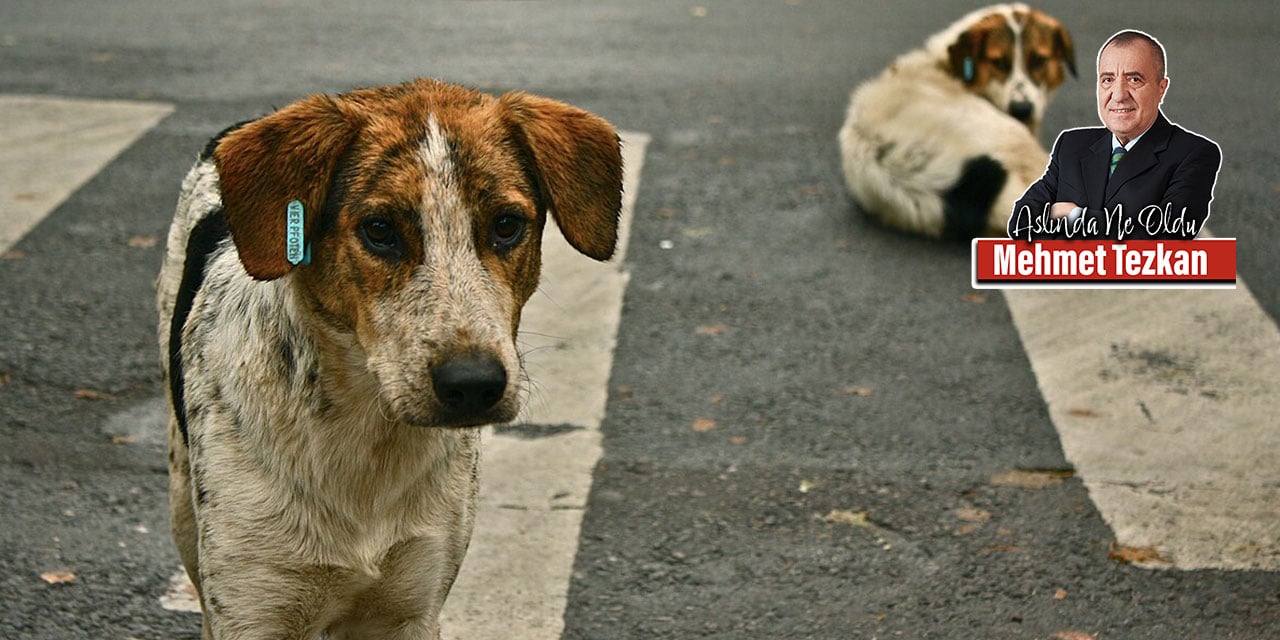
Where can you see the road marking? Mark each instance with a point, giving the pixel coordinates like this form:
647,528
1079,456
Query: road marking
51,146
1166,403
515,580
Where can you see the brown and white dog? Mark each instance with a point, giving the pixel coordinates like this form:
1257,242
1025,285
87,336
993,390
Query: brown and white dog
328,370
943,142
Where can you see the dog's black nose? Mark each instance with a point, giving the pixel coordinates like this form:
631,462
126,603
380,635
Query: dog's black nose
1022,111
469,385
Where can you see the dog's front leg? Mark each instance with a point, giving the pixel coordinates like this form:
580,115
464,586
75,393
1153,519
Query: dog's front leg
414,580
249,598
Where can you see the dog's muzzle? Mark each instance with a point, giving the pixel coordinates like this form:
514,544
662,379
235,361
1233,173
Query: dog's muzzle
469,386
1022,111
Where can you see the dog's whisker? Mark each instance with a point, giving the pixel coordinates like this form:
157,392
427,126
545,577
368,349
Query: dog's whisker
549,336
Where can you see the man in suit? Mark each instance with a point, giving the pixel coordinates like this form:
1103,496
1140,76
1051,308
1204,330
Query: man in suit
1140,177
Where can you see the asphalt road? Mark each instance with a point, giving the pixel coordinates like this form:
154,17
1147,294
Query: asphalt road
847,368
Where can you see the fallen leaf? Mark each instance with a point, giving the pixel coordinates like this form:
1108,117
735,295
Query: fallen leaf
698,12
1074,635
90,394
1084,413
737,439
807,486
1003,532
964,529
4,379
142,242
844,516
861,392
973,514
58,577
623,391
1060,594
13,254
666,212
24,197
711,330
703,425
102,57
1134,555
976,298
726,161
697,232
124,439
717,399
1031,478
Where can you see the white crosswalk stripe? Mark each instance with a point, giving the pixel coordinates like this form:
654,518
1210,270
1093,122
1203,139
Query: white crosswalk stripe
1165,401
51,146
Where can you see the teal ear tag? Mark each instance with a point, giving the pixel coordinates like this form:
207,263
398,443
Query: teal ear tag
968,69
297,249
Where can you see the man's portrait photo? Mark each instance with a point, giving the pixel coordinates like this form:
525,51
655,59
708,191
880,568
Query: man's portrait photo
1138,177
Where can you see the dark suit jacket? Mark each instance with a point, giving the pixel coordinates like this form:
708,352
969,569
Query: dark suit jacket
1169,167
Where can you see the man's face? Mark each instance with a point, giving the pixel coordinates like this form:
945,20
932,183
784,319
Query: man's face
1129,89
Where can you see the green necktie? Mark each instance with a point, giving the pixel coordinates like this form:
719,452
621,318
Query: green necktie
1115,159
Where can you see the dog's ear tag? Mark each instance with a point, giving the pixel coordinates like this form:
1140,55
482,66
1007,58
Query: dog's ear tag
968,69
297,249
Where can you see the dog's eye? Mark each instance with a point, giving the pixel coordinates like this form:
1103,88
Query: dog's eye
1035,62
380,237
507,230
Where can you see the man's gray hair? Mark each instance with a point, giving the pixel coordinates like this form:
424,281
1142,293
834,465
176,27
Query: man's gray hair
1129,36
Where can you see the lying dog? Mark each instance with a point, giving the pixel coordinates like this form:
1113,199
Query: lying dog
943,142
338,308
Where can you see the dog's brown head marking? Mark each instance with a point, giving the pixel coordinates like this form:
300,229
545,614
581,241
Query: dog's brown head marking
1014,56
433,198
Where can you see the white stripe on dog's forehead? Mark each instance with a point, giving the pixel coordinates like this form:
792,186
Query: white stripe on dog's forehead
445,221
435,151
452,276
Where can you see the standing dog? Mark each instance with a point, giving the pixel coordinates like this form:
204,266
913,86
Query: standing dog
943,142
338,309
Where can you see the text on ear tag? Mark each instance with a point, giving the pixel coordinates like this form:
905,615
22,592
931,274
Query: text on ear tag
296,249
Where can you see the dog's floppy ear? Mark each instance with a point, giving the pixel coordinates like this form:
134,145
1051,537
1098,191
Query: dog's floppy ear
1064,49
966,51
269,163
578,161
987,39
